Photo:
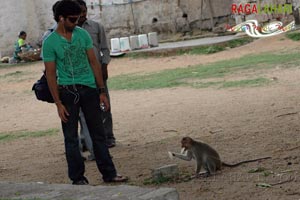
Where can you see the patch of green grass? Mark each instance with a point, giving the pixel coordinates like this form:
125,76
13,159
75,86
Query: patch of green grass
21,199
246,83
158,181
214,48
205,84
11,74
6,65
15,75
136,55
182,177
295,36
205,49
239,42
14,135
228,84
178,77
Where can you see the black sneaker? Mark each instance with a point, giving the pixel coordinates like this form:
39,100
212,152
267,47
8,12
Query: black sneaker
83,181
83,158
110,143
117,179
83,145
91,157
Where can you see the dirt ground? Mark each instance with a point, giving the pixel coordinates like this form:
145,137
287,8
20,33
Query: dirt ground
241,123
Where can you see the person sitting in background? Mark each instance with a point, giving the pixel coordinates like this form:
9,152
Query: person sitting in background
22,39
21,46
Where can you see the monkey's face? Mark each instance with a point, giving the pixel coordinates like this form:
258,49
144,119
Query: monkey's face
186,143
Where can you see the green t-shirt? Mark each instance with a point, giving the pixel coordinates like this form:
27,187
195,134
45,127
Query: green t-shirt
72,65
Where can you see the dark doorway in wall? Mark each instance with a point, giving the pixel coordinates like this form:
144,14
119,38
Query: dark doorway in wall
154,20
296,15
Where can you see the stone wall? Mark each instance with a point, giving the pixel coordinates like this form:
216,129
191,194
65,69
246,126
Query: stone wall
118,16
31,16
163,16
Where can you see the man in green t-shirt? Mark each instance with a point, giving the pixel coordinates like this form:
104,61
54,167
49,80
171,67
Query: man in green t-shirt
68,55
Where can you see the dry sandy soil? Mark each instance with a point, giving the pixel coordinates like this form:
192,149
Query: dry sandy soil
241,123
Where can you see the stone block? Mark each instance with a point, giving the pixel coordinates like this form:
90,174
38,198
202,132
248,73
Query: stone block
250,17
263,17
167,171
161,194
238,19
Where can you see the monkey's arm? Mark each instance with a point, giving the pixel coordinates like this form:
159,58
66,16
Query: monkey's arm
187,155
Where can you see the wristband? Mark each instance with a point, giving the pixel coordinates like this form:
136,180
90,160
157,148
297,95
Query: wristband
101,90
57,102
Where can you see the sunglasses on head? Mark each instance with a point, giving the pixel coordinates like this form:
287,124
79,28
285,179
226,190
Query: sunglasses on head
73,19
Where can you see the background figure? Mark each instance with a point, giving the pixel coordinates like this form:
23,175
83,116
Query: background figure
50,30
21,45
100,46
85,141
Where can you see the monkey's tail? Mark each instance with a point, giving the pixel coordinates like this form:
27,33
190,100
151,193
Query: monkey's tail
245,161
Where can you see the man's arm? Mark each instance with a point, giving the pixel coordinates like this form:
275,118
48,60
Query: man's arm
51,79
105,52
96,67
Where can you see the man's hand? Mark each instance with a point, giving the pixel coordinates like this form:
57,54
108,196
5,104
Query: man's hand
104,72
104,99
62,112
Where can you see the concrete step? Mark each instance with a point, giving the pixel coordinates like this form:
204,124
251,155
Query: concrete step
43,191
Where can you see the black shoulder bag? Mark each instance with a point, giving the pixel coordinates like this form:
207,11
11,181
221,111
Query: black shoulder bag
41,89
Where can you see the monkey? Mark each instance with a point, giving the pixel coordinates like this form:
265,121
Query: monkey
205,156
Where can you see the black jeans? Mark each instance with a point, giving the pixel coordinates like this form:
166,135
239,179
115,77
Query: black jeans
107,118
74,97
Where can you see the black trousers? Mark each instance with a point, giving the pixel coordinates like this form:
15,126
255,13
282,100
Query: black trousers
86,98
